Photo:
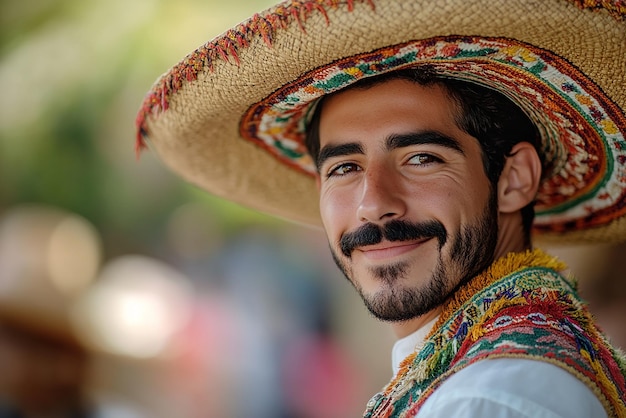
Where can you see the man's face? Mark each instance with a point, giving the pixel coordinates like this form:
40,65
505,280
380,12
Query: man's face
407,207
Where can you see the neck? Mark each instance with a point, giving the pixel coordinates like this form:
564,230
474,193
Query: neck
405,328
511,235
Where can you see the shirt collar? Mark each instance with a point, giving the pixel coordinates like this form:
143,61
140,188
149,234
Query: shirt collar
405,346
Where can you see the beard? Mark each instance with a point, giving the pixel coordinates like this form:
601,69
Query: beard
472,249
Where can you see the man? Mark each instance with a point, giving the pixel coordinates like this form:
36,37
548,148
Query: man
443,171
431,129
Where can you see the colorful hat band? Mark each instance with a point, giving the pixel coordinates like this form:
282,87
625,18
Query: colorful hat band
573,115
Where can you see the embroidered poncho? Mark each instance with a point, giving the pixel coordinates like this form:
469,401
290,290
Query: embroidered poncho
520,307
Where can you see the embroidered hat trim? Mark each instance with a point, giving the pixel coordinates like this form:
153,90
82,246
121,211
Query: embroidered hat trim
585,190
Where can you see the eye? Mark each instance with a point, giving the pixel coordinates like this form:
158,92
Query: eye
423,159
343,169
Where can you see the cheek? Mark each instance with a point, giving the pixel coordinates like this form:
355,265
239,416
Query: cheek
330,211
453,202
338,212
477,193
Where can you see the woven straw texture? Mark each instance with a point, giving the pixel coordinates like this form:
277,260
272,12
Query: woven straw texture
192,115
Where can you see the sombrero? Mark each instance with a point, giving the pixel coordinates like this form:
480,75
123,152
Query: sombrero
230,117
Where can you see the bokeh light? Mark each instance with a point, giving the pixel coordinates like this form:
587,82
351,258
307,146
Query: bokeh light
74,254
134,309
47,256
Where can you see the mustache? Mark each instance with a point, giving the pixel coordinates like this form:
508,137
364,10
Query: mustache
396,230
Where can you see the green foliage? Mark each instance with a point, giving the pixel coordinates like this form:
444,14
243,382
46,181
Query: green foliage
75,74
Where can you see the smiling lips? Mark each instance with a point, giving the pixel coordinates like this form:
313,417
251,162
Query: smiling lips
388,249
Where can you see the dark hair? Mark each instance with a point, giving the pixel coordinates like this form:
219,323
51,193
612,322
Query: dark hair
484,113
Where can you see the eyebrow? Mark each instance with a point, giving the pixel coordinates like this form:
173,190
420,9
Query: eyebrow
423,138
330,150
394,141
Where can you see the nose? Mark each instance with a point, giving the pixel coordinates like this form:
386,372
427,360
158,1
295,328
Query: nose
381,198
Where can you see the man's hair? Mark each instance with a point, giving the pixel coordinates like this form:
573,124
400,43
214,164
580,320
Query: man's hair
487,115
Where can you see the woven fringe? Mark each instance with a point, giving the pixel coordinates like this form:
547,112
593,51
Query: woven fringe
620,356
502,267
616,8
605,382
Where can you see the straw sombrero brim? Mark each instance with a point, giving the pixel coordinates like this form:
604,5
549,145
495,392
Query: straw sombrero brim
230,117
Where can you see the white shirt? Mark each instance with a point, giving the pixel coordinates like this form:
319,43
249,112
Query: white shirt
405,346
504,388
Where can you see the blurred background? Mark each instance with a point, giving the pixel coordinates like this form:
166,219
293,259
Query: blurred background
126,291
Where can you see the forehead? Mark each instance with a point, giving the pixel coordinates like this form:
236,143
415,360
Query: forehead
387,107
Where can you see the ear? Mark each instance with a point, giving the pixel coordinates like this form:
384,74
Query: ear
519,181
